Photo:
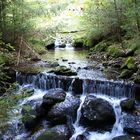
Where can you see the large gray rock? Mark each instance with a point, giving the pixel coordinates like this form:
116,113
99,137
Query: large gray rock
97,113
52,97
60,112
132,124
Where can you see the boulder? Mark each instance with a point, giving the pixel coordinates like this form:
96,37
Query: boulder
59,132
130,64
60,112
50,46
97,113
78,44
52,97
132,124
77,86
115,52
62,46
127,104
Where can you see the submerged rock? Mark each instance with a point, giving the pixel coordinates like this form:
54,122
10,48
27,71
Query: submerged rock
59,132
132,124
60,112
97,113
127,104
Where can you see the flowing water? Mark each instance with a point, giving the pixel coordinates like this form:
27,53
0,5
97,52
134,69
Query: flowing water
99,86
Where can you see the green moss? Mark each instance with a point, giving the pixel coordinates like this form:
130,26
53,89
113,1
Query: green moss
63,70
100,47
28,113
128,104
129,64
3,58
115,51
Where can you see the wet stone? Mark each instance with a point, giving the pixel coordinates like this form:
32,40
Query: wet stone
97,113
132,124
127,104
59,132
59,113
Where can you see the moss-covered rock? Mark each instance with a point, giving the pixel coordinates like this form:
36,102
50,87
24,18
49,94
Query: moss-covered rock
100,47
128,68
59,132
129,64
62,70
123,137
126,73
128,104
115,51
137,79
29,118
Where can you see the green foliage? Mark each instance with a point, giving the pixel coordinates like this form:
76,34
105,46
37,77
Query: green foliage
118,18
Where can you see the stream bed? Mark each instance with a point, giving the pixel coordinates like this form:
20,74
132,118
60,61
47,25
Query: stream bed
80,93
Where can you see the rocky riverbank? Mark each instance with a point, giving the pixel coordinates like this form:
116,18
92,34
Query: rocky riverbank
123,61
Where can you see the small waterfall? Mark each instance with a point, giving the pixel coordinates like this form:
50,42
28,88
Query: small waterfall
79,129
45,81
117,129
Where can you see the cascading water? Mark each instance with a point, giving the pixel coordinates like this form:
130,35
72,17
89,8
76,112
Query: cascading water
45,81
79,129
117,129
101,89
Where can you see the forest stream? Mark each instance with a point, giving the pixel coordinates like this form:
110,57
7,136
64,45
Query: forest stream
85,106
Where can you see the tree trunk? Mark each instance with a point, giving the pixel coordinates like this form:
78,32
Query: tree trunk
118,23
137,16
